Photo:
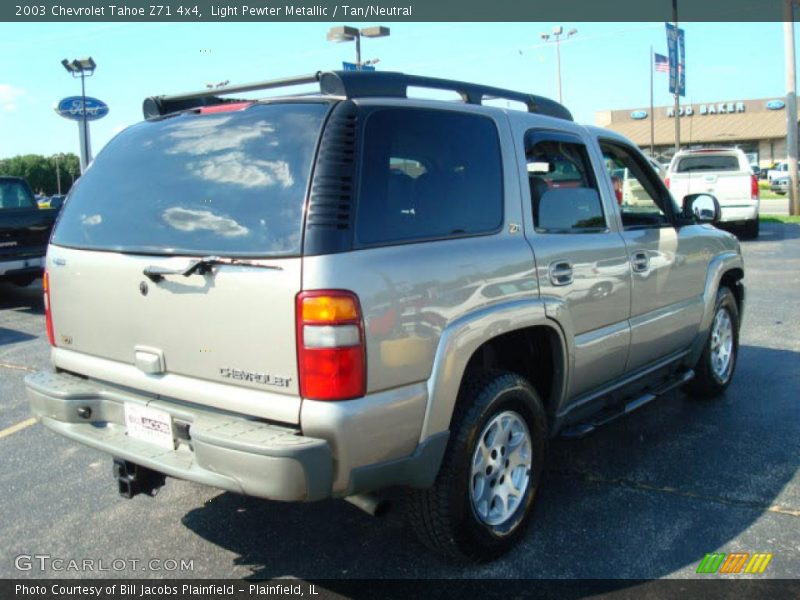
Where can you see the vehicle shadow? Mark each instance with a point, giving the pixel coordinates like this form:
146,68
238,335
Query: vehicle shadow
774,231
645,497
26,299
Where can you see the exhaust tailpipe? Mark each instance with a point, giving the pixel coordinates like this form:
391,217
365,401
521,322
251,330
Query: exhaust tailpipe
370,504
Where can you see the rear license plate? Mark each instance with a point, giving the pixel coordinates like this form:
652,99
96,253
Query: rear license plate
149,425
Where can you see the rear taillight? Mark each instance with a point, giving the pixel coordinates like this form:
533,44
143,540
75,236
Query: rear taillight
666,182
48,316
331,353
755,193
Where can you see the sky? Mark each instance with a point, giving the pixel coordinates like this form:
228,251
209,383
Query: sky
604,66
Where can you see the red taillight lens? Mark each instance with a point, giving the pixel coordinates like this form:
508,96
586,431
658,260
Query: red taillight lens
666,182
48,317
755,193
331,353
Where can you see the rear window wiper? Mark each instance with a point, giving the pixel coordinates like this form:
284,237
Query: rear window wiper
201,266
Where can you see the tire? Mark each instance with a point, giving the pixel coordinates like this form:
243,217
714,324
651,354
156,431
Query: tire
751,228
714,370
453,517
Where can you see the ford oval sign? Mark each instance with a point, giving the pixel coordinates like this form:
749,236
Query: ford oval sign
775,104
72,108
639,115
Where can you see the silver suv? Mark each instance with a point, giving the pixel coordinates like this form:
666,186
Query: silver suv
315,296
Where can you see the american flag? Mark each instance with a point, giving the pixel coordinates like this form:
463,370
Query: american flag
661,63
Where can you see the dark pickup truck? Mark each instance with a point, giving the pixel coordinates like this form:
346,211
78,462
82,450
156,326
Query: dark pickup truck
24,232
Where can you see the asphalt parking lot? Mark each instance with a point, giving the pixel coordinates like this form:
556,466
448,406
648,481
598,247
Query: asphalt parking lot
646,497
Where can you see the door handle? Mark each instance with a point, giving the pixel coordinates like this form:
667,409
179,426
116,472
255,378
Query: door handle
640,262
560,273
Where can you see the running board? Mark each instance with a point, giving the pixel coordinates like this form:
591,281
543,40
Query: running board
612,413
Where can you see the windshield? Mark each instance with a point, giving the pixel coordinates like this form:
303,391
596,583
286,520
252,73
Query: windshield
15,194
229,183
708,162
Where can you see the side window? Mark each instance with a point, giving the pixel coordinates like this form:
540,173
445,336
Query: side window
641,202
563,188
428,174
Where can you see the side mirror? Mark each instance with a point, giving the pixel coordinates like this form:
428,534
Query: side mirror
703,208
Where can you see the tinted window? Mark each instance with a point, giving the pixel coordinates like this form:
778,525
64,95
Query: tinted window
15,194
564,194
428,174
230,183
642,203
706,162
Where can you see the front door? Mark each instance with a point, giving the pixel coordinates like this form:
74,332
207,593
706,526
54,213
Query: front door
668,263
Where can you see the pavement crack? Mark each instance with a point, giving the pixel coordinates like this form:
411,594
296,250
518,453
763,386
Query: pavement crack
637,485
14,367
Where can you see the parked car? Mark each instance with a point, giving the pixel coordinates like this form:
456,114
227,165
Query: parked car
778,170
56,201
325,296
24,231
725,173
780,185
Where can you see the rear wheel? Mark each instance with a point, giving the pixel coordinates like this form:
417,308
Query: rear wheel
714,370
482,499
751,229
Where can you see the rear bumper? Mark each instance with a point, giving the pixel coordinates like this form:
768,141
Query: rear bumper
348,447
221,450
21,267
742,211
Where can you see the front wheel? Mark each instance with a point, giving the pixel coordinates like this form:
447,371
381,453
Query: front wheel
482,499
714,370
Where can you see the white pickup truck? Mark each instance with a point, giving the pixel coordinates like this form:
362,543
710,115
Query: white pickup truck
726,174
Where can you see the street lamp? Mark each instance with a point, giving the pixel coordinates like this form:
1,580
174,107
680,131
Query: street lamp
83,68
345,33
558,33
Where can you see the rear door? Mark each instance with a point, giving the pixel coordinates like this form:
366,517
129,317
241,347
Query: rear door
162,195
581,259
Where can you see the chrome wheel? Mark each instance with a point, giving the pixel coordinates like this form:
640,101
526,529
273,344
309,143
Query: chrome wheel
722,345
501,468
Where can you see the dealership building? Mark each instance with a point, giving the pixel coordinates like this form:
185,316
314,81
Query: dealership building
758,127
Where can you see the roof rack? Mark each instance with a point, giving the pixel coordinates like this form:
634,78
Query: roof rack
356,84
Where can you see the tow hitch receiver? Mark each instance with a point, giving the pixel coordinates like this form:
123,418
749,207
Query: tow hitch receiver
135,479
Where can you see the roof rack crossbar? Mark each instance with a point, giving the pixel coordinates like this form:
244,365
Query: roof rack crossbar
358,84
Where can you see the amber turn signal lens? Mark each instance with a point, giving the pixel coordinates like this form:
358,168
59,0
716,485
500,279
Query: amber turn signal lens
329,309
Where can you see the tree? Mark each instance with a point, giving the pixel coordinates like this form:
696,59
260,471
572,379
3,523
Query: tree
40,172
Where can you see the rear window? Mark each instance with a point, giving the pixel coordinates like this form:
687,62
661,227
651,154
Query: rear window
230,183
708,162
428,174
15,194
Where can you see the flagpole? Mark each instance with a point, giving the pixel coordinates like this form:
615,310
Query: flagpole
677,80
652,114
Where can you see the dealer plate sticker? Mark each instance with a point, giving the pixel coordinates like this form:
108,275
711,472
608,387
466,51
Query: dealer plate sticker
149,425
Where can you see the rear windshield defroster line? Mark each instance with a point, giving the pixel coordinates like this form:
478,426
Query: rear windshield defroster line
227,184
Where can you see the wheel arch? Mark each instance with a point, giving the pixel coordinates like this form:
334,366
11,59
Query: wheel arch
519,333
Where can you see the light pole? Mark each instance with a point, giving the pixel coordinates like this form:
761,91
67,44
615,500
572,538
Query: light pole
791,105
558,33
345,33
83,68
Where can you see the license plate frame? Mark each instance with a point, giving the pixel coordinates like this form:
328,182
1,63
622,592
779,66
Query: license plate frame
150,425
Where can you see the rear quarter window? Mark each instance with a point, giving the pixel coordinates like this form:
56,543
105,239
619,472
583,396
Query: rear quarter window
230,183
428,174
